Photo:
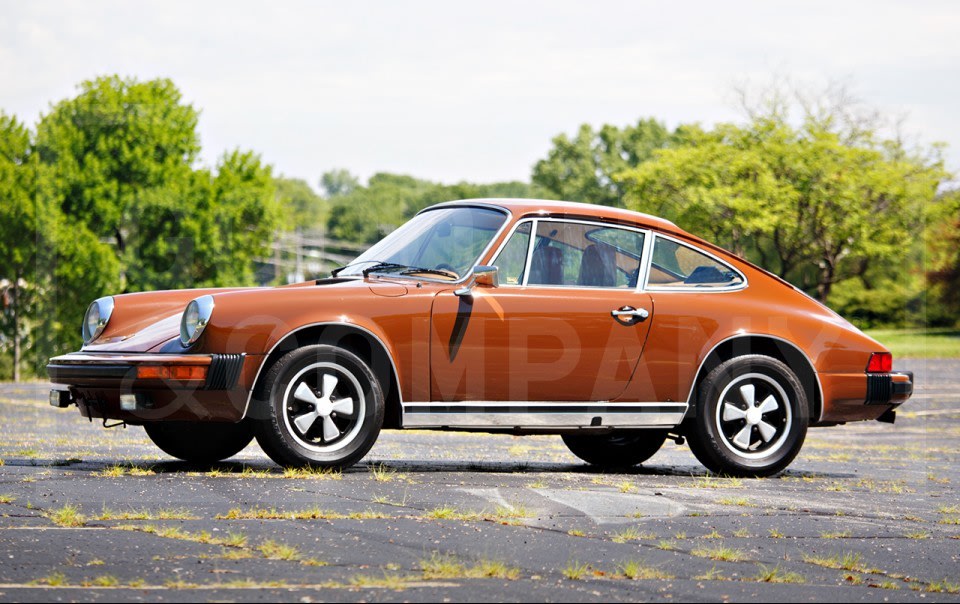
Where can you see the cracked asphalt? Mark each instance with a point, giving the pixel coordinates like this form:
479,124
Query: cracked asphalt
868,512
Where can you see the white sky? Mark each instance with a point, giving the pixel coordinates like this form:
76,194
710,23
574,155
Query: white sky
474,91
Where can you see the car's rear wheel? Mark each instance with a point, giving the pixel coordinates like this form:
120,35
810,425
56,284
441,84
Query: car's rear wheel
200,442
751,417
319,406
621,449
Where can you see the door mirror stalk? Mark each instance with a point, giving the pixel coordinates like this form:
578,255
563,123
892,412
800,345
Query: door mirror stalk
486,276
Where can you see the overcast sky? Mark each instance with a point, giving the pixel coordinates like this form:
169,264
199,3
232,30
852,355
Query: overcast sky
474,91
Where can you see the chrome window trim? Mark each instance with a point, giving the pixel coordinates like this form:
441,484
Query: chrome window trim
816,374
393,364
477,262
644,266
531,246
687,289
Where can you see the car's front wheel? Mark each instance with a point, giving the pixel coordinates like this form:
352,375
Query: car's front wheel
319,406
751,417
200,442
617,450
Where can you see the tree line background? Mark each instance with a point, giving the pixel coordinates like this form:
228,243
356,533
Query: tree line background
105,194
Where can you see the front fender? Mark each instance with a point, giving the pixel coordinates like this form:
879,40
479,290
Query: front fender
256,323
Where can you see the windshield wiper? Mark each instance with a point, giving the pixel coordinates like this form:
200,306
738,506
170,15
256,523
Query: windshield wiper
340,269
383,266
430,271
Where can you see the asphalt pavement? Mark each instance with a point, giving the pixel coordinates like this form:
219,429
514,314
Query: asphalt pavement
868,512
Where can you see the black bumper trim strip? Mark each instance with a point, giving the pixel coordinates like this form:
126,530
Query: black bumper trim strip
881,389
224,371
61,373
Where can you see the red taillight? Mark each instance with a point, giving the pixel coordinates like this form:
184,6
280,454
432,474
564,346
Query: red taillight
174,372
880,362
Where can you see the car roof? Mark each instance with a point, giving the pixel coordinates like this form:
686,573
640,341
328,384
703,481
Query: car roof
526,207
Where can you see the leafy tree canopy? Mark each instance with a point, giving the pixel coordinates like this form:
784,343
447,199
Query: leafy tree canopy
806,201
118,138
583,168
300,207
367,213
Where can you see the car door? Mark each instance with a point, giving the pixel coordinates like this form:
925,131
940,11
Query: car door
568,322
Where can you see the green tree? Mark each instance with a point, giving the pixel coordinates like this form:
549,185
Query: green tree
205,230
51,267
18,235
172,234
299,205
943,261
338,182
813,205
367,213
583,168
242,208
115,140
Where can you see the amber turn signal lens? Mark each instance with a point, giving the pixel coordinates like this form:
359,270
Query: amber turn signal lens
880,362
176,372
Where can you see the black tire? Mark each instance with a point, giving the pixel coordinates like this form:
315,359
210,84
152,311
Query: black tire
621,449
294,394
200,442
772,432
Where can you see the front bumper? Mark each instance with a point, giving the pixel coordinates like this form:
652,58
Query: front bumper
221,371
138,388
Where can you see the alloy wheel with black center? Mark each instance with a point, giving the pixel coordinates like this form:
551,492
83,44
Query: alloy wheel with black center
751,417
319,406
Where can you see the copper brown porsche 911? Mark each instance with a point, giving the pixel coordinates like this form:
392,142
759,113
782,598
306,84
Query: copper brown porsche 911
613,329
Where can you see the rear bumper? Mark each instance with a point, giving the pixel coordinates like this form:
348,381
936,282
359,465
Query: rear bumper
108,386
889,388
858,396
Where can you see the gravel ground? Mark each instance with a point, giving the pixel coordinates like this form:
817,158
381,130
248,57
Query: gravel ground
868,512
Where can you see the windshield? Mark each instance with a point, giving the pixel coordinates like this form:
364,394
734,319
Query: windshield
443,243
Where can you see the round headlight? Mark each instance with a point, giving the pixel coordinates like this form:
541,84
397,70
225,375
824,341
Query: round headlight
96,319
195,319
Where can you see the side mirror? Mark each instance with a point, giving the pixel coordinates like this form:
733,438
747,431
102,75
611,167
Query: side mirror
487,276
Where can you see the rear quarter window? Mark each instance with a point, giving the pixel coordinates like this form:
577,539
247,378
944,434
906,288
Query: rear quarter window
678,266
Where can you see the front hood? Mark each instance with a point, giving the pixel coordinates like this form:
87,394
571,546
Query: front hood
143,321
150,321
147,339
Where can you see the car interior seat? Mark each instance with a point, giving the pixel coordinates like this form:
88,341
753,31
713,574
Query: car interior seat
598,267
547,266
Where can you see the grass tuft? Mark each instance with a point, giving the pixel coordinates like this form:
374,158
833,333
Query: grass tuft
279,551
776,574
632,534
55,579
638,571
386,581
108,514
439,566
720,554
850,561
68,516
575,571
313,473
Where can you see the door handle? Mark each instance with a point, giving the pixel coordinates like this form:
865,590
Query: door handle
631,313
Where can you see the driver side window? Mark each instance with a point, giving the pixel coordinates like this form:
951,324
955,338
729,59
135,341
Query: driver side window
571,254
